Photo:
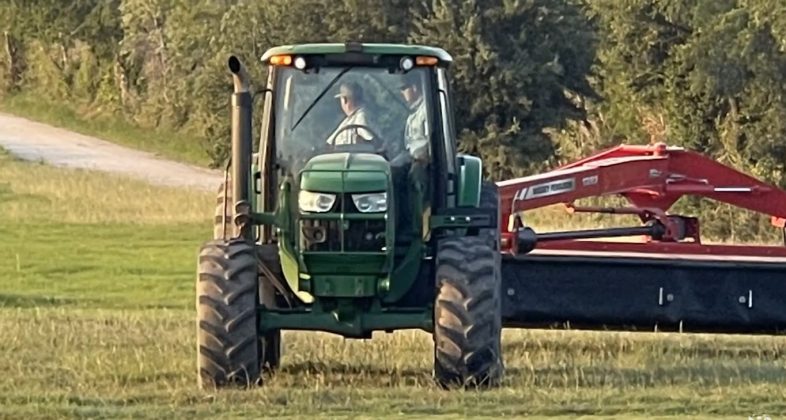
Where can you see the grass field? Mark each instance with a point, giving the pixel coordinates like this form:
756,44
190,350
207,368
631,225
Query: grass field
96,320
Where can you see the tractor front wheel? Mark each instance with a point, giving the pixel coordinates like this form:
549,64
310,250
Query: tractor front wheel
467,314
229,351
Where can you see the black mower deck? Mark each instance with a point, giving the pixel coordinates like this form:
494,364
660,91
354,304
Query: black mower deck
630,291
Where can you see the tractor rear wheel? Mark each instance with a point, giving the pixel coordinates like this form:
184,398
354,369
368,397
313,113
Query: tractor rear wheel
229,351
467,314
223,228
489,199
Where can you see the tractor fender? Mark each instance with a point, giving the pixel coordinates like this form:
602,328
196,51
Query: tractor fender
470,175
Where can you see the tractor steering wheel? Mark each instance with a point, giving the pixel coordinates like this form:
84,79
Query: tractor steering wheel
374,146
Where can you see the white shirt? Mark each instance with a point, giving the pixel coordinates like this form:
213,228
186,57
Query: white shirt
352,135
416,133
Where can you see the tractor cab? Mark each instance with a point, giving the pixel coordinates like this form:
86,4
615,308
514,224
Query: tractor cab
348,108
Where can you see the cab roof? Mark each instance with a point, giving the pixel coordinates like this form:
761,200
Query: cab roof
370,48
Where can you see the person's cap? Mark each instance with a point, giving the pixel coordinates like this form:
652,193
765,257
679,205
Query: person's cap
350,90
409,79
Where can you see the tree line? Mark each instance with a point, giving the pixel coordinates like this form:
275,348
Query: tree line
540,81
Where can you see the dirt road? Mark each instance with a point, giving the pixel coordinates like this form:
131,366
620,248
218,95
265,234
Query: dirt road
58,147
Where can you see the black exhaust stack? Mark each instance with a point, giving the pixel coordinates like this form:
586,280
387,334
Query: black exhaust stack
241,145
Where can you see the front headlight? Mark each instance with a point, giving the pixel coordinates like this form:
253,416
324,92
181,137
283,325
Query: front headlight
316,202
371,203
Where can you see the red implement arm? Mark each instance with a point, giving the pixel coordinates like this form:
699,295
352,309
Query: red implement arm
652,178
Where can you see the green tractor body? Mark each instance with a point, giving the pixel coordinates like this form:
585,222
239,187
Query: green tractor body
356,215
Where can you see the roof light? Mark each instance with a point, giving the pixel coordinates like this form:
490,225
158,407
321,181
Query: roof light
281,60
424,60
407,63
300,63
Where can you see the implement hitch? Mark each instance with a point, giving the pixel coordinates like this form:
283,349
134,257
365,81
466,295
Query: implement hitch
527,239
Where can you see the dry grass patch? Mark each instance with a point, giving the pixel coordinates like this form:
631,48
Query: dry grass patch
38,193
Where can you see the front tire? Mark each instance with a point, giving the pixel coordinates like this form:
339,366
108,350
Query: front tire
467,314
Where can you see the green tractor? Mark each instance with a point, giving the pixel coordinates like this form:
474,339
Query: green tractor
357,214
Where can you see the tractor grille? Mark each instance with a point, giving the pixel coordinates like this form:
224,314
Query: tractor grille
365,235
348,206
320,235
326,235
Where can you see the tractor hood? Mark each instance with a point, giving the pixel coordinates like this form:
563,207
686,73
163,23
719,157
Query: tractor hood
346,172
345,253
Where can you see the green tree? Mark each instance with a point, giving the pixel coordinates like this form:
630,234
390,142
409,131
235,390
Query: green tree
712,70
711,74
517,65
249,28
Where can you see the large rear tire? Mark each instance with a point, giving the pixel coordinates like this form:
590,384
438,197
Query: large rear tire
489,199
228,346
467,314
223,228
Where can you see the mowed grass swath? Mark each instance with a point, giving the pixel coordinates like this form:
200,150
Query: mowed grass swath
97,320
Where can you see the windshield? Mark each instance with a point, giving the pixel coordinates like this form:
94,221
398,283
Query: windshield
359,109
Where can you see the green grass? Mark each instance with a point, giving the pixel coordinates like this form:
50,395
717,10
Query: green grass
122,363
97,320
171,144
67,232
